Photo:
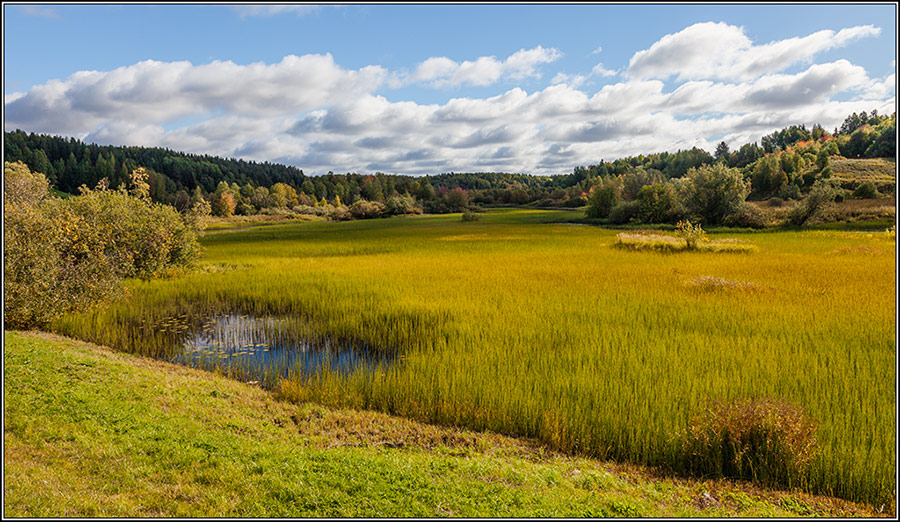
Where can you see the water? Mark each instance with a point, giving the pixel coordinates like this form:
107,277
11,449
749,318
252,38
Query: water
264,350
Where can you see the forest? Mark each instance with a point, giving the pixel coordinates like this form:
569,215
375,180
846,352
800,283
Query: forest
784,165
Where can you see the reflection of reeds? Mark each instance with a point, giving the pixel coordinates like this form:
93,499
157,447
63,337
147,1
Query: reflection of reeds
555,335
265,349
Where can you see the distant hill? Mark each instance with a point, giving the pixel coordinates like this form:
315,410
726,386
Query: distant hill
68,163
880,171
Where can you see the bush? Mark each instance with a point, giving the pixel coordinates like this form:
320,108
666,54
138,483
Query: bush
866,190
748,216
340,214
363,209
659,204
790,191
624,212
692,234
65,255
715,191
470,216
767,440
820,197
602,199
575,202
401,205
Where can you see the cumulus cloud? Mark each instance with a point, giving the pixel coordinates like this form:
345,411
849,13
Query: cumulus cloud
574,80
13,96
310,112
441,71
720,51
599,70
156,92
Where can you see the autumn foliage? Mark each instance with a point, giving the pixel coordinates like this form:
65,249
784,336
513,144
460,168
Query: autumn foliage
64,255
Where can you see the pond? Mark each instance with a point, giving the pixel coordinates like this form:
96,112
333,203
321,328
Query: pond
264,350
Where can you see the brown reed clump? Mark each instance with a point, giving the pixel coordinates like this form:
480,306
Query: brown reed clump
767,440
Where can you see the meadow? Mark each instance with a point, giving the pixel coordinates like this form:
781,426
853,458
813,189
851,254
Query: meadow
522,325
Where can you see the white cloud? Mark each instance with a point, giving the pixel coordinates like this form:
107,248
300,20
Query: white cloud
310,112
573,80
441,71
721,51
274,10
39,11
157,92
7,98
598,50
599,70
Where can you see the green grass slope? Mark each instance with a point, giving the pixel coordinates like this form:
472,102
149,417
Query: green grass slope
91,432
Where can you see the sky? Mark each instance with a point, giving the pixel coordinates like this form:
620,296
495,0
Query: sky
427,89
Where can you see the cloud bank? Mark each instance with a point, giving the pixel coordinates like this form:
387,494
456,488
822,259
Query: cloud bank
310,112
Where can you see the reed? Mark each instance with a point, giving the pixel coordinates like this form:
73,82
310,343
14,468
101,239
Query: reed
520,326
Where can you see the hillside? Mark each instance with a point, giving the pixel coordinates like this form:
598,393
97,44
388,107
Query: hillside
91,432
880,171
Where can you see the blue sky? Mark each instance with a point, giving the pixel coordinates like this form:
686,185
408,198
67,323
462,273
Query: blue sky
420,89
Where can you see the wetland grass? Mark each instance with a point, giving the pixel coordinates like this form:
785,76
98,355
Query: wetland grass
525,327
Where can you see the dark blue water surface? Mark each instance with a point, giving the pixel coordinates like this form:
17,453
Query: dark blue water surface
265,349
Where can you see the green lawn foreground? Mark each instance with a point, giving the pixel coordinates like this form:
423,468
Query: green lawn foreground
91,432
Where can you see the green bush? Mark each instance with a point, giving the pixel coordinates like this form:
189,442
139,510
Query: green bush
659,204
602,199
767,440
748,216
470,216
692,234
64,255
624,212
363,209
866,190
820,197
715,191
401,205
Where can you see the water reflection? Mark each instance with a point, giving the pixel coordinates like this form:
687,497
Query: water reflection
266,349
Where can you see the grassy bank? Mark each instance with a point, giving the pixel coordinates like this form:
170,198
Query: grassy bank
94,433
518,326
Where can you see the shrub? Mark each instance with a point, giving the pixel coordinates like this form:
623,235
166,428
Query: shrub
363,209
633,181
624,212
400,205
658,204
456,200
767,440
715,191
820,197
866,190
775,202
340,214
692,234
575,202
602,199
64,255
748,216
789,191
470,216
23,187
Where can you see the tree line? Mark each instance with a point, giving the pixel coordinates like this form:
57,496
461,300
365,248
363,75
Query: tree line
784,164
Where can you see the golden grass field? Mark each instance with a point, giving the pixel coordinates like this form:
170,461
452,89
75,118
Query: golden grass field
519,325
